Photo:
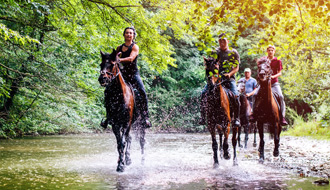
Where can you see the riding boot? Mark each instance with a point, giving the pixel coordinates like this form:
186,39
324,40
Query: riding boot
147,123
283,122
236,122
104,124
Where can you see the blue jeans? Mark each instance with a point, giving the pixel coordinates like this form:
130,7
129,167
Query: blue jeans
277,88
231,85
141,98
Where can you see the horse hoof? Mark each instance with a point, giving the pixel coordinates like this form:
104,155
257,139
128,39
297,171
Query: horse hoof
227,156
128,162
120,168
235,163
241,146
276,153
254,144
215,166
261,161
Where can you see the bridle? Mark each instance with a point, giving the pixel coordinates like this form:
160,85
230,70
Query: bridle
267,73
220,78
111,75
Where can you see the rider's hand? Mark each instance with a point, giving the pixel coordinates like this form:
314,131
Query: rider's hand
227,75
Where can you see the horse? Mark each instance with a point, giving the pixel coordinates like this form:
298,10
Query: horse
244,115
219,113
120,107
266,109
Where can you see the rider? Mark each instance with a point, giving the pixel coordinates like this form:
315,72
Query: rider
129,54
228,60
276,66
250,85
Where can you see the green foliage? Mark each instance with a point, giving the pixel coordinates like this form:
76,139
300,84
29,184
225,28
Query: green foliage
50,55
174,96
311,128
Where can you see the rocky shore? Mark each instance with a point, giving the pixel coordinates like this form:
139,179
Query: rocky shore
303,155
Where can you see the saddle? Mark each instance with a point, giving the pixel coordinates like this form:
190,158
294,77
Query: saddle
277,100
232,99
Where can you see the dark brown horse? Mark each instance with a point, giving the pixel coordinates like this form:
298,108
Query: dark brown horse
120,108
244,116
266,109
219,113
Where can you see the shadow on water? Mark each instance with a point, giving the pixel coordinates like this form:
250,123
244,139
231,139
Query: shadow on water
172,161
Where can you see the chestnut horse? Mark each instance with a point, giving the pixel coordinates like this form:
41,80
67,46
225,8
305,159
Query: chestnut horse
120,108
244,116
219,113
266,110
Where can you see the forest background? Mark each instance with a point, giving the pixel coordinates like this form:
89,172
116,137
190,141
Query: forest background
49,58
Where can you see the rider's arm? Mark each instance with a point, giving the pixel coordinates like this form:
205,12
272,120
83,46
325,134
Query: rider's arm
234,70
251,93
133,55
277,75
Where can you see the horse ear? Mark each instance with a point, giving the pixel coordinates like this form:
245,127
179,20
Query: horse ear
102,53
118,54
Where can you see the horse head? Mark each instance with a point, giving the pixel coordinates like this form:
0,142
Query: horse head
241,87
212,70
109,67
264,69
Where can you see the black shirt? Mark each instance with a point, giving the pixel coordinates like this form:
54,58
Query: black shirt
228,60
129,69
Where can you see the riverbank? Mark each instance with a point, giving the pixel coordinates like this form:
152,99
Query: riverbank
306,156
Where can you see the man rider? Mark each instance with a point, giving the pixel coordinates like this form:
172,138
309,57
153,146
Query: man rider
228,60
250,85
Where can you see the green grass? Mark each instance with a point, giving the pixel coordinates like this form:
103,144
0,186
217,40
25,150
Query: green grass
309,128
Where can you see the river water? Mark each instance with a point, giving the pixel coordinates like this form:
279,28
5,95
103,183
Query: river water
172,161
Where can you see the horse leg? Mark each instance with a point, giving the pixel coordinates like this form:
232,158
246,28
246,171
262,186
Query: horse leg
221,146
214,147
255,135
120,148
225,142
239,136
128,139
142,133
234,142
276,139
246,131
262,142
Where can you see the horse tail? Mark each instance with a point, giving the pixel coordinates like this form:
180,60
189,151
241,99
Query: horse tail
271,130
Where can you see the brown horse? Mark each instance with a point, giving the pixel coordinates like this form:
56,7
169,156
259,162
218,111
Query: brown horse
244,116
266,110
219,113
120,108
